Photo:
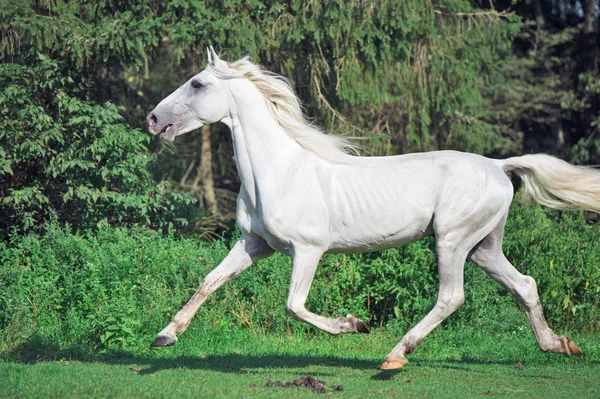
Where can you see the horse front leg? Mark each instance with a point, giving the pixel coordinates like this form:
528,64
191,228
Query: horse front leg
450,297
305,261
245,252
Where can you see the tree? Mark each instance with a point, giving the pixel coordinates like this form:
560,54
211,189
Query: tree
406,75
554,76
63,153
409,75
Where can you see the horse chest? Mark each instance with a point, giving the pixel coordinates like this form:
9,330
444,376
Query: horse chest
282,223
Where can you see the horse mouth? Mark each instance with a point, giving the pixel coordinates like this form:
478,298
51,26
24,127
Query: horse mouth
169,133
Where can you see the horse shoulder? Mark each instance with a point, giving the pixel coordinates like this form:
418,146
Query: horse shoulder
291,208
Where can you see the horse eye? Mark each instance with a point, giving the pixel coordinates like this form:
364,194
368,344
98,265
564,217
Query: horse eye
196,84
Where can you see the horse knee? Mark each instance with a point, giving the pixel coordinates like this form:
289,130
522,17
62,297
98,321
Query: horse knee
529,283
448,303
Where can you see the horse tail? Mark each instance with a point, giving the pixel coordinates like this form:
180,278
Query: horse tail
556,183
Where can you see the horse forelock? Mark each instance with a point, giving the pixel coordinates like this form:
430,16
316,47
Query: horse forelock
286,109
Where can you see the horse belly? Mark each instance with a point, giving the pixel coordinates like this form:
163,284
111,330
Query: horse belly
373,217
375,242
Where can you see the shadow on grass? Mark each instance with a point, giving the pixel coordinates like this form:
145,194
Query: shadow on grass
39,349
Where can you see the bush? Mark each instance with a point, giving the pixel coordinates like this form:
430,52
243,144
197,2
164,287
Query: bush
561,252
116,288
66,156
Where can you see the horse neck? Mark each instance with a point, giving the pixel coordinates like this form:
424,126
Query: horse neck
262,148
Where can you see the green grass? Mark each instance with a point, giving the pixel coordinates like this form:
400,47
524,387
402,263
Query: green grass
208,364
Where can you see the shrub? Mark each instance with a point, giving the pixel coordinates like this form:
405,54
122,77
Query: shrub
117,287
66,156
560,250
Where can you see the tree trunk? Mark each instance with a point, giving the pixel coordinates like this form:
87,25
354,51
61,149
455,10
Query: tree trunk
205,172
589,17
540,20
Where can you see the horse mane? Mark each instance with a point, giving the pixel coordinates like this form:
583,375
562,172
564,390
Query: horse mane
286,108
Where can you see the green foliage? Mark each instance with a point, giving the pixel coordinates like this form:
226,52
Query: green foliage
561,252
587,148
71,157
117,331
410,75
551,95
116,288
77,77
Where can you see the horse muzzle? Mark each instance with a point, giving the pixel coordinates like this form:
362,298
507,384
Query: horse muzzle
154,127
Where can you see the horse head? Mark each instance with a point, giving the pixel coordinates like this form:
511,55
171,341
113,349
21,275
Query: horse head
201,100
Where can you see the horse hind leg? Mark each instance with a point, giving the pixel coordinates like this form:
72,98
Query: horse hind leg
458,230
489,256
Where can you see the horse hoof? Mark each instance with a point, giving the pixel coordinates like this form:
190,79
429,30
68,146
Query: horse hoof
570,347
163,340
393,364
359,325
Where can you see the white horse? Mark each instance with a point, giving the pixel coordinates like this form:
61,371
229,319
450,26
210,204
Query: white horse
301,194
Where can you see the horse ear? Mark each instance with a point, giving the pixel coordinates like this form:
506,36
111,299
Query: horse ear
215,60
209,57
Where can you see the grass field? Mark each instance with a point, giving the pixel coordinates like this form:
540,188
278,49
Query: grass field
219,364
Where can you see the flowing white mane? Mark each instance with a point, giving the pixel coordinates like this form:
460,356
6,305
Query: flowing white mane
285,107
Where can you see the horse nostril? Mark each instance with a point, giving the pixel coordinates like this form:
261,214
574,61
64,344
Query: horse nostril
152,120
